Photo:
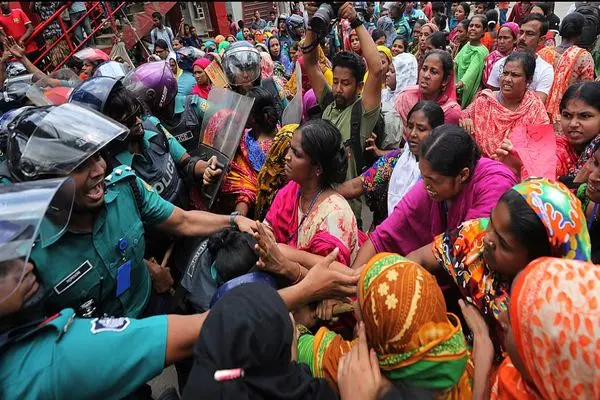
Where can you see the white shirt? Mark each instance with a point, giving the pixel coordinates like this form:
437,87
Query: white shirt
165,34
542,77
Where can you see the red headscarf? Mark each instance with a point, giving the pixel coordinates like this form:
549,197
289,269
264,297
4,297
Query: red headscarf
203,90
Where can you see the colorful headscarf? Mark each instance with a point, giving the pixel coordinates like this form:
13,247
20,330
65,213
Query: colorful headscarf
405,318
588,152
271,177
209,43
219,39
460,251
560,212
556,325
514,28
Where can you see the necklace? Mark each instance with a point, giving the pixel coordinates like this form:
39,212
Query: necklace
312,204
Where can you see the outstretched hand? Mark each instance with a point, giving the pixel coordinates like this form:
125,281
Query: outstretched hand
325,283
359,376
271,259
15,48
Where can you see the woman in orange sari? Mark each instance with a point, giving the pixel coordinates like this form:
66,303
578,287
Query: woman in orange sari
551,335
571,63
420,347
492,116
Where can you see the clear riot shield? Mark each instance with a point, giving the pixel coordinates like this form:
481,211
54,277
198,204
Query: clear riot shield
26,210
293,112
222,128
54,89
112,69
67,136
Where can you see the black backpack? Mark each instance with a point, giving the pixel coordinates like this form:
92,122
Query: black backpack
591,26
362,158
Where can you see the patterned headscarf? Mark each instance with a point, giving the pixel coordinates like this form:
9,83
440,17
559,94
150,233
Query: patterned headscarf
560,212
406,322
271,177
588,153
556,325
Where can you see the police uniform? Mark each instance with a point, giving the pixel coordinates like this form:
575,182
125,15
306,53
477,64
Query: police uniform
103,272
158,163
186,124
74,358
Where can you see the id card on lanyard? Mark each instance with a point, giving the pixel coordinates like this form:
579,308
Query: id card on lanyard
124,270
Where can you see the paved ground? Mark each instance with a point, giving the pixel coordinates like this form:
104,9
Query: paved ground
169,377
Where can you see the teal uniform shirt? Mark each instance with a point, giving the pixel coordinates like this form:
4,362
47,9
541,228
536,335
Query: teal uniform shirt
75,358
81,270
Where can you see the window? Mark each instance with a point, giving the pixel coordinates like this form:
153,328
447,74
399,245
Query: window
198,9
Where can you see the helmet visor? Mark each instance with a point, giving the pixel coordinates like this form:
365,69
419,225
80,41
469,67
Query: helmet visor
242,65
112,69
67,136
26,209
54,89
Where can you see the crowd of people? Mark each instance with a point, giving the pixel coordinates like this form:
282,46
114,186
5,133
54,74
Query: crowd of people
211,208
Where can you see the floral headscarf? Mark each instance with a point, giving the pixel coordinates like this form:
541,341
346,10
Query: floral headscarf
560,212
556,325
405,318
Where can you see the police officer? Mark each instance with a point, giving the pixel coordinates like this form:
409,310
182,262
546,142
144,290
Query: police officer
154,155
96,266
59,355
156,88
241,64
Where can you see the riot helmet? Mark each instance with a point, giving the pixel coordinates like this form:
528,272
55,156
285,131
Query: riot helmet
51,141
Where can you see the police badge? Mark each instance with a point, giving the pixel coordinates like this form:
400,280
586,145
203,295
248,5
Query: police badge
109,324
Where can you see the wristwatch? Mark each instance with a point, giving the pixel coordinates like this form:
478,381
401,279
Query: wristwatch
232,219
358,21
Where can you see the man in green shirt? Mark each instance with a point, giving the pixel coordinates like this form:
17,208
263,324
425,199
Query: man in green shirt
348,75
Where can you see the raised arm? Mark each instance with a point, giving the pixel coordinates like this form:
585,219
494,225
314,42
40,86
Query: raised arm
371,96
311,64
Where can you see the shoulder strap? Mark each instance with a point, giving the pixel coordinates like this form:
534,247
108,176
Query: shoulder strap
154,125
122,173
357,146
153,33
136,195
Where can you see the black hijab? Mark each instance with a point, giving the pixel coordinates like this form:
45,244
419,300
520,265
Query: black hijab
250,328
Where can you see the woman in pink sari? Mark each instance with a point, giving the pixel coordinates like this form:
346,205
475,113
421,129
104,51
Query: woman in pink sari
458,185
308,214
436,83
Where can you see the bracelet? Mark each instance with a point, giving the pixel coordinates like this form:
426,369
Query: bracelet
299,278
232,219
